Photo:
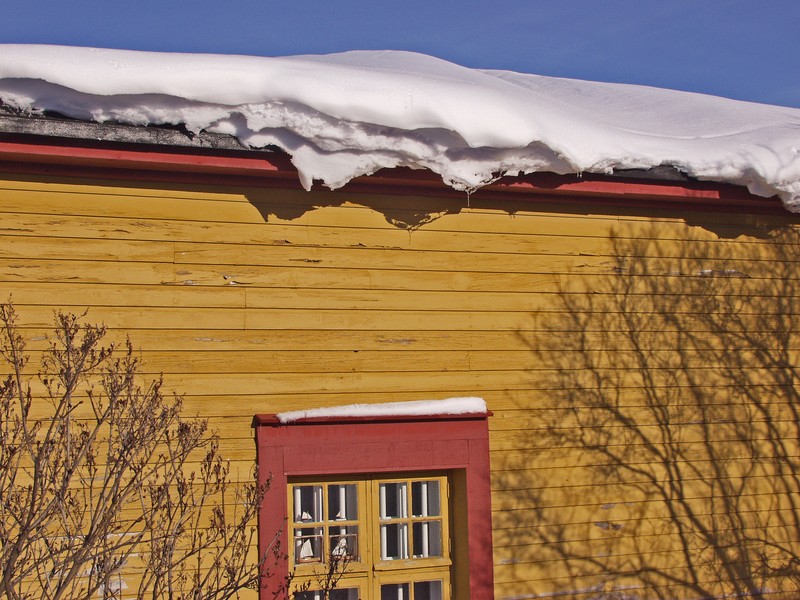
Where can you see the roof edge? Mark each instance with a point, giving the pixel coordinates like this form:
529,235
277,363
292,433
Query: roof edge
162,153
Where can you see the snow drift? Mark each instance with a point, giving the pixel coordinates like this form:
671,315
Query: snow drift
344,115
414,408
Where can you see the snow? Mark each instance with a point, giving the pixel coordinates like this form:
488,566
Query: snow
344,115
450,406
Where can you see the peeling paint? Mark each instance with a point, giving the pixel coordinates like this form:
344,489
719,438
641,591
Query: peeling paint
401,341
231,281
606,526
722,273
614,593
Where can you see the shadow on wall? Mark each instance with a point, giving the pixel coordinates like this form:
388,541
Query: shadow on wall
667,463
409,212
413,212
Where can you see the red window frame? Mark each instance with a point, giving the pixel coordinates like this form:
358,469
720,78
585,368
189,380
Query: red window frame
380,445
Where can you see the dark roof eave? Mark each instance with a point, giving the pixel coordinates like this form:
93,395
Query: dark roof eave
90,131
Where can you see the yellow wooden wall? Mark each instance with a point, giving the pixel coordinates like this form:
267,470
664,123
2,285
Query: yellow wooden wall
255,301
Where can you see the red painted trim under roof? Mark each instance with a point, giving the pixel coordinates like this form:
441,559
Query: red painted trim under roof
67,157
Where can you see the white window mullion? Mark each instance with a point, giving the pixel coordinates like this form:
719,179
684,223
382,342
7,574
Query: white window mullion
405,551
318,507
298,500
341,545
343,501
424,510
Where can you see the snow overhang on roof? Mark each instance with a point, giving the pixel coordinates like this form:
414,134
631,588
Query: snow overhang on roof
342,116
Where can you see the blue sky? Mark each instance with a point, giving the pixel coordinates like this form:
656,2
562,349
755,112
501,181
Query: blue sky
744,49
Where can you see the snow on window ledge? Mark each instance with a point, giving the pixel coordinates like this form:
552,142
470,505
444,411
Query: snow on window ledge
417,408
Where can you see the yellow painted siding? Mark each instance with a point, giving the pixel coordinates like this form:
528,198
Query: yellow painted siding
256,301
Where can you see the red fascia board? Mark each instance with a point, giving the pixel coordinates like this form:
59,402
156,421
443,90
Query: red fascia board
119,160
614,187
588,185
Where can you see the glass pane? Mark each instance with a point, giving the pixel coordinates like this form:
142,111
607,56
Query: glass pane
344,541
395,591
342,503
308,545
425,499
393,500
427,539
428,590
307,503
394,541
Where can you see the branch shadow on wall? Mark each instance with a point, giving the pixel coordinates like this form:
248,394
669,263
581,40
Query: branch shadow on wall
666,443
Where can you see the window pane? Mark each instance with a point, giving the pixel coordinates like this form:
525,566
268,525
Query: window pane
395,591
427,539
308,544
342,503
428,590
425,499
344,541
394,541
307,503
393,500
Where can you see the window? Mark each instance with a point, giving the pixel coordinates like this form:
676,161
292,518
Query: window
376,537
404,501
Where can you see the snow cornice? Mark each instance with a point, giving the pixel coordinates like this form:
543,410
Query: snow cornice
122,151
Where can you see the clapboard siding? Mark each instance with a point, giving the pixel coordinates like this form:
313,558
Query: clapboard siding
253,300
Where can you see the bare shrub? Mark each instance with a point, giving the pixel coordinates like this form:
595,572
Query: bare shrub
106,490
